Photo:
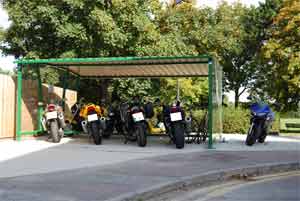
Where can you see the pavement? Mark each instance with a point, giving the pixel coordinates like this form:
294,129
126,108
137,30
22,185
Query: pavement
39,156
78,170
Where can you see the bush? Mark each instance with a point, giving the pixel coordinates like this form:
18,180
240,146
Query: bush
235,120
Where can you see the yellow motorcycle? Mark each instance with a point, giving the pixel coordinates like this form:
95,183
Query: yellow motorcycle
94,121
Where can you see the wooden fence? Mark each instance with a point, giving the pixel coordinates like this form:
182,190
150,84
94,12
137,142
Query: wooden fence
29,104
7,106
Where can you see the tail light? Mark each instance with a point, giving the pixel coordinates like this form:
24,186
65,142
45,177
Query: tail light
174,109
91,109
51,108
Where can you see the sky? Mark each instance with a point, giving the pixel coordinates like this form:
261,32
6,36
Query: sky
6,62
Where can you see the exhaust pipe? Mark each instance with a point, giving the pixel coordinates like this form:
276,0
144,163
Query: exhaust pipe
84,126
61,120
188,123
43,122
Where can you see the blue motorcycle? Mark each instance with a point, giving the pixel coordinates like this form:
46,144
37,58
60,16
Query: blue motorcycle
261,121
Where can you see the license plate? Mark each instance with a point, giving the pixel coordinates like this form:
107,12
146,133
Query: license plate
92,117
51,115
176,116
138,117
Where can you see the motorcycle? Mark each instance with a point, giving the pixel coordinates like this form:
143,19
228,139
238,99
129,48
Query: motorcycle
174,121
53,122
134,124
113,121
94,122
261,121
153,117
77,119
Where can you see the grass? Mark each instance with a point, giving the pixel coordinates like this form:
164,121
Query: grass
289,134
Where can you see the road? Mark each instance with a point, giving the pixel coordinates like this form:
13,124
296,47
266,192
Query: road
282,187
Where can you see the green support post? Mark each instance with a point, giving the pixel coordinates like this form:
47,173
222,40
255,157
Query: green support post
19,104
65,85
210,104
40,99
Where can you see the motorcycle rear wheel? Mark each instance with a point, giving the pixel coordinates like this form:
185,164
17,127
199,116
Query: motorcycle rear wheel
56,137
96,133
178,135
141,136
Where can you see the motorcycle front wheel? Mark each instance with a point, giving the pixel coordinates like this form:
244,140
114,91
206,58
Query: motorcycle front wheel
253,132
141,136
56,137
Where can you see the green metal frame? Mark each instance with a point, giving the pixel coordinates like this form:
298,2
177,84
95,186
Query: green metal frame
19,104
210,103
85,61
65,86
106,59
40,100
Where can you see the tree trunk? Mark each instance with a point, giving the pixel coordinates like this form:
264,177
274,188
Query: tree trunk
236,98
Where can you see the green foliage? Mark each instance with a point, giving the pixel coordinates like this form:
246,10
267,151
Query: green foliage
234,33
235,47
282,54
1,34
126,89
193,91
236,120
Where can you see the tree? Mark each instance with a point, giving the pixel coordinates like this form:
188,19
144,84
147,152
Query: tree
282,54
192,91
235,47
125,89
77,28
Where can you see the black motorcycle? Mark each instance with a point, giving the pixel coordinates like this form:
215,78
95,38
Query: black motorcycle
113,121
76,120
261,120
134,124
174,121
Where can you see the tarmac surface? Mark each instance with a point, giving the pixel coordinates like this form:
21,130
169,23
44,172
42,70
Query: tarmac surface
77,171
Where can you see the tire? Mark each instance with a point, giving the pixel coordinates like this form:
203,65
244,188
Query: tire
108,131
263,137
56,137
96,133
107,134
252,135
178,135
141,136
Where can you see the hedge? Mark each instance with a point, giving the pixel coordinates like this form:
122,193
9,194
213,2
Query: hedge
237,120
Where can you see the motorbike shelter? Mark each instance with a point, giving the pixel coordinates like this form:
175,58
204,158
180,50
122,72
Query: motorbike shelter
125,67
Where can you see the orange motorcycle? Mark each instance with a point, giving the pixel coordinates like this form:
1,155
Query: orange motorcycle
94,121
